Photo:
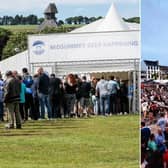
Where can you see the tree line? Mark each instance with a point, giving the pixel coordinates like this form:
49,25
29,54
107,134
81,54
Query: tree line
81,19
20,20
34,20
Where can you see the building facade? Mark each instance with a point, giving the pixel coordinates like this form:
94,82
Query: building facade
152,70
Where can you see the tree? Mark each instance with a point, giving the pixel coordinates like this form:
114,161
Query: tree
40,20
132,20
75,20
60,22
17,19
4,20
80,19
100,17
10,20
32,19
69,20
17,40
4,37
92,19
86,20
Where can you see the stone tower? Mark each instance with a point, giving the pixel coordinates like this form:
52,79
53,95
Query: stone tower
50,19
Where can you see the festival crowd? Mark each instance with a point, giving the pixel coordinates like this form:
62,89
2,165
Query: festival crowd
154,126
45,96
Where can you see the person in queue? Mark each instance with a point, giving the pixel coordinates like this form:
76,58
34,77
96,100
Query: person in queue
70,88
102,91
12,90
43,93
29,105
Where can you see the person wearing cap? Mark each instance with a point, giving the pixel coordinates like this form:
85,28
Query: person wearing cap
12,89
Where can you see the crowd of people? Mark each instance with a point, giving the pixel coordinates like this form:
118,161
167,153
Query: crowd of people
45,96
154,126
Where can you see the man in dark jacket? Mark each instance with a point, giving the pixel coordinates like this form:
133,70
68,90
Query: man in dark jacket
43,93
29,105
55,96
12,89
85,89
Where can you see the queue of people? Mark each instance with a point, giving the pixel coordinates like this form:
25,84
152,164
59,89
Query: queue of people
45,96
154,126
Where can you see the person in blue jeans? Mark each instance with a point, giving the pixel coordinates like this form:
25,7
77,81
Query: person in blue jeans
102,91
43,93
113,88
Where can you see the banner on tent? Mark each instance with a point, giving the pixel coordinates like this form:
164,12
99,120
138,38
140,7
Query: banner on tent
85,46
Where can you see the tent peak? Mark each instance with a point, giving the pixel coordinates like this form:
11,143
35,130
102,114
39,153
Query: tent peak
113,21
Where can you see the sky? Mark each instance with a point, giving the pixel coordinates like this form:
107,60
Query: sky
68,8
154,30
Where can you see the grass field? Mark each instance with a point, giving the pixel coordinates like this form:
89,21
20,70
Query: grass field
30,28
20,28
96,142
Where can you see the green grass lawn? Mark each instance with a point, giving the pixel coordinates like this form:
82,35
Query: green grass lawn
31,28
96,142
20,28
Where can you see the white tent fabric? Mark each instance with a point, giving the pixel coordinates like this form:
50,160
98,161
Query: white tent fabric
112,21
89,27
133,26
16,62
92,27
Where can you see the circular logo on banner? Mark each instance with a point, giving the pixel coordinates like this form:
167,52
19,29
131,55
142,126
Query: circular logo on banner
38,47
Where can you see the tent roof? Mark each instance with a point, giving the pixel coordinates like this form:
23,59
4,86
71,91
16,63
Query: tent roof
51,8
111,22
16,62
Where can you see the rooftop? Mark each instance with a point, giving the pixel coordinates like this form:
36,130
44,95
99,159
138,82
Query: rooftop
51,8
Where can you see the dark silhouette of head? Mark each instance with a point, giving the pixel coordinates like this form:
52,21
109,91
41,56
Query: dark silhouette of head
25,70
84,78
8,73
52,75
112,77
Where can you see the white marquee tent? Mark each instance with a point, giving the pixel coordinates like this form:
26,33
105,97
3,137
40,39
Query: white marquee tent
106,45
